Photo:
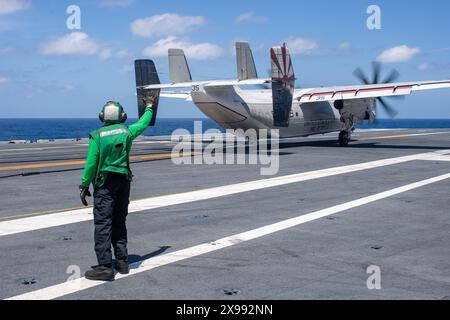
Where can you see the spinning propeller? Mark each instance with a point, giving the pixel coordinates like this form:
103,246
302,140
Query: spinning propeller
393,76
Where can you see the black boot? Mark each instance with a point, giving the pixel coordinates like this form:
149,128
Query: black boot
100,273
122,267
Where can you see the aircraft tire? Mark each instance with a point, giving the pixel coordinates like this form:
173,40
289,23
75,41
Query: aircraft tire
344,138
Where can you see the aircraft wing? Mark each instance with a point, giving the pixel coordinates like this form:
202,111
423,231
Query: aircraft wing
366,91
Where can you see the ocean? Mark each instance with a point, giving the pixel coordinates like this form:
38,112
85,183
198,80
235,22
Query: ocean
48,129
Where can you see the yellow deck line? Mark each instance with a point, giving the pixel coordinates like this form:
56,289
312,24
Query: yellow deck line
399,136
169,155
82,162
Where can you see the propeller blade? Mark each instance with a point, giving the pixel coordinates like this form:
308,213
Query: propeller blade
393,76
375,121
376,72
358,73
389,110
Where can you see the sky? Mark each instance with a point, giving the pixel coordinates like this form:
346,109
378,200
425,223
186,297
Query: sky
50,70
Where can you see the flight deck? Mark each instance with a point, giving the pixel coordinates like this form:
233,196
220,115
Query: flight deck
312,231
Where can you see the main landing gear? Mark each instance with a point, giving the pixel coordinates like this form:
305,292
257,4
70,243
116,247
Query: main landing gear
344,138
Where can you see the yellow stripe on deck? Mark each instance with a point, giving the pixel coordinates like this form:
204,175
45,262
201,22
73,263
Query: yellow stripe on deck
82,162
400,136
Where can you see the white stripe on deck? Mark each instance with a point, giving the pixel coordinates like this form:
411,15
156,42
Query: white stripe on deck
80,284
79,215
439,158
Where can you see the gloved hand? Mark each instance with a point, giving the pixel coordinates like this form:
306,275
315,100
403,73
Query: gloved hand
149,101
84,192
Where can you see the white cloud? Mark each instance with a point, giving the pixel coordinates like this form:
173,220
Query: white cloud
301,45
165,25
115,3
250,17
11,6
398,54
3,80
424,66
76,43
198,51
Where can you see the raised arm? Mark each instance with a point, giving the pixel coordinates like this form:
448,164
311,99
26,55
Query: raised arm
136,129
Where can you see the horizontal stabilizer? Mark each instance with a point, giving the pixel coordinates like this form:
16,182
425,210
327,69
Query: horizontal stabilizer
210,83
177,95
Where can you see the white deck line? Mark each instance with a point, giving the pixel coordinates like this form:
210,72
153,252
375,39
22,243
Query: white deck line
80,284
21,225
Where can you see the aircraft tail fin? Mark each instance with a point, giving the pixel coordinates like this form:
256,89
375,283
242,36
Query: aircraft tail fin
245,63
178,66
146,74
283,85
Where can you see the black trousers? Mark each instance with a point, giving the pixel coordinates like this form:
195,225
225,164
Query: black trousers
110,212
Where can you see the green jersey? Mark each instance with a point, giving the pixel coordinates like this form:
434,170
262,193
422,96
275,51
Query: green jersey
109,150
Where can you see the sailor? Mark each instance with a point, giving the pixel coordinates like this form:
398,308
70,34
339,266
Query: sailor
108,169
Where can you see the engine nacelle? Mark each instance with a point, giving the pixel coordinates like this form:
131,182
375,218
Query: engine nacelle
357,109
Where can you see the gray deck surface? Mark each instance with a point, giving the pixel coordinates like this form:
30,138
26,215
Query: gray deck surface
406,235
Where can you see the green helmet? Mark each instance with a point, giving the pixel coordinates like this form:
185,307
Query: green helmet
112,113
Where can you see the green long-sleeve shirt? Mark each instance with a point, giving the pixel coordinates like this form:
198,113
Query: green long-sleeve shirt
109,149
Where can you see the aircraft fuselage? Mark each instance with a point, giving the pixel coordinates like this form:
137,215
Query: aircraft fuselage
234,108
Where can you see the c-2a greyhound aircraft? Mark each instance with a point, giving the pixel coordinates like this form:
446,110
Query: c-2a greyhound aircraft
275,103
